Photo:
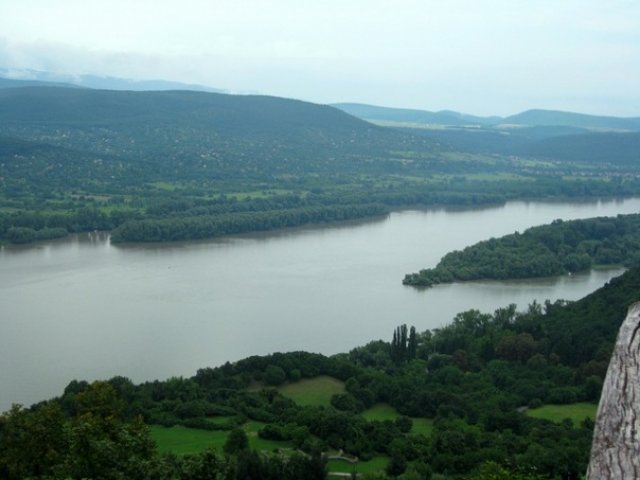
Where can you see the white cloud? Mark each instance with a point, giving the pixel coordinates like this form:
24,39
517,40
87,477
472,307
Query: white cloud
494,56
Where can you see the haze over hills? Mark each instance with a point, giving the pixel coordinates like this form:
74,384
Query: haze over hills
16,83
552,117
405,115
530,118
27,78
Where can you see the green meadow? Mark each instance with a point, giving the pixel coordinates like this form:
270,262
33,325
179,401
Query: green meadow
383,411
576,412
182,440
313,391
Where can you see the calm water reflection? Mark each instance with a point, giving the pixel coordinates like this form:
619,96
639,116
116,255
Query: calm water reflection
82,308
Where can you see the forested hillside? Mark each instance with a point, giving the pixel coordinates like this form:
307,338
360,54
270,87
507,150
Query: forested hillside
460,402
184,162
544,251
600,148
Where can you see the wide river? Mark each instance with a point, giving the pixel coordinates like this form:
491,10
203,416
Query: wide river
82,308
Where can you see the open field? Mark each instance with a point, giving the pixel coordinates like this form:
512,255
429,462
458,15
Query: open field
182,440
576,412
314,391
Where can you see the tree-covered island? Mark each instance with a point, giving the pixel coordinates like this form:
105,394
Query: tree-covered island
559,248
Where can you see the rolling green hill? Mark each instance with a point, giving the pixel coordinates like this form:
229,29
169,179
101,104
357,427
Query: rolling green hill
189,134
554,117
529,118
406,115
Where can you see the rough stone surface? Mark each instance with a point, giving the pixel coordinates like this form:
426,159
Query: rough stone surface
615,451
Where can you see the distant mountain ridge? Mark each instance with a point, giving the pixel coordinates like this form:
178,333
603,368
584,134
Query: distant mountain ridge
406,115
570,119
248,113
17,83
391,115
529,118
47,79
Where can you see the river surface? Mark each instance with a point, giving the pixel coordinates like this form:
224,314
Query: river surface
81,308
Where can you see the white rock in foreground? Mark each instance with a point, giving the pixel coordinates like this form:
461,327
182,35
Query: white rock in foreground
615,451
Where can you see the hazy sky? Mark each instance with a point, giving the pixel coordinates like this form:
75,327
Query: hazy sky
477,56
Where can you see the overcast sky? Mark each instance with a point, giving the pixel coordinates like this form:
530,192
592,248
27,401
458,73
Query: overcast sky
476,56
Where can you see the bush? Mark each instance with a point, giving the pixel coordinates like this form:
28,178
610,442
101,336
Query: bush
274,375
563,395
535,403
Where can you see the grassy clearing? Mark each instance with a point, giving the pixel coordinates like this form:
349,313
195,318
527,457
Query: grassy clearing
380,412
383,411
376,464
182,440
576,412
313,391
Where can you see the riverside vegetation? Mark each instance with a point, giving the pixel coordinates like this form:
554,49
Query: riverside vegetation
179,165
544,251
447,403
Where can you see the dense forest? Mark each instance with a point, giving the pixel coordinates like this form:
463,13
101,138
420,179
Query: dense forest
473,381
148,164
544,251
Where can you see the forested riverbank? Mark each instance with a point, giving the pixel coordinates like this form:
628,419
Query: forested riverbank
544,251
468,379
